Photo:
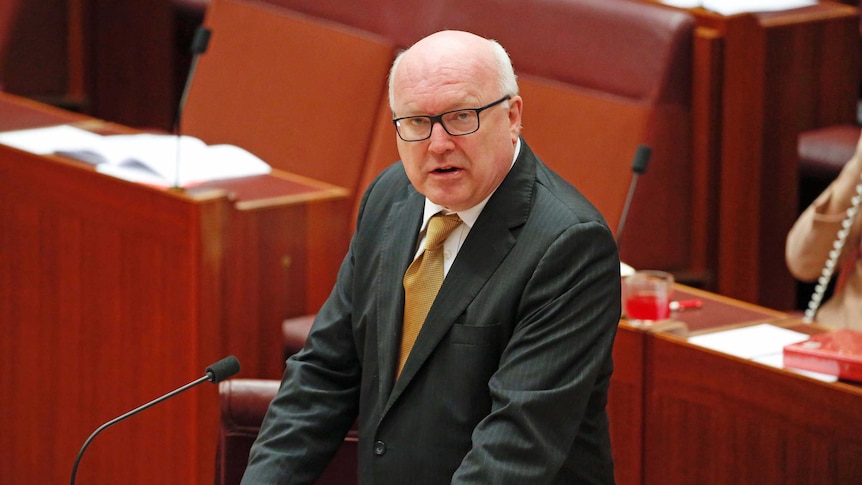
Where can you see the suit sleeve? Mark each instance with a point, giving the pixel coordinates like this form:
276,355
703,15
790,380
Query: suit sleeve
550,391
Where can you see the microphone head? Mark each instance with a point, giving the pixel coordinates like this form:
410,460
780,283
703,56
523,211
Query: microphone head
200,40
642,155
223,369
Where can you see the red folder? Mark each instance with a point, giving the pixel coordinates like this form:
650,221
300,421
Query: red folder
837,353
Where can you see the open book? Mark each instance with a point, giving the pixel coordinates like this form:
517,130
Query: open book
145,158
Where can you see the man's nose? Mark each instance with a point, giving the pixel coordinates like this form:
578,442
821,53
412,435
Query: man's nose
440,140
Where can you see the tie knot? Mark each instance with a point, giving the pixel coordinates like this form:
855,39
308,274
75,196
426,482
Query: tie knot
439,228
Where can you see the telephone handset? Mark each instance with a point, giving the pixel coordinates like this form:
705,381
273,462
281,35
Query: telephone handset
834,254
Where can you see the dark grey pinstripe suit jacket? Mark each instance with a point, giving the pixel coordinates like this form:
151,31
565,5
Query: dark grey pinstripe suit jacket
508,380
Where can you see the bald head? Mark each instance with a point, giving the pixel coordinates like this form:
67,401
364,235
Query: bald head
452,56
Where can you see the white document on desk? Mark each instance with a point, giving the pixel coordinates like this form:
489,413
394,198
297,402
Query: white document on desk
45,141
144,158
763,343
153,159
731,7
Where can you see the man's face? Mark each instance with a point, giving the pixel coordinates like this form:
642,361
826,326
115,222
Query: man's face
456,172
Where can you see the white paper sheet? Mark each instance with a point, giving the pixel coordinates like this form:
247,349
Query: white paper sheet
777,361
763,343
682,3
732,7
749,342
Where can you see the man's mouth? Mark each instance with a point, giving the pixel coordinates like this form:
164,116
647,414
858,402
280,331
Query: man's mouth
445,169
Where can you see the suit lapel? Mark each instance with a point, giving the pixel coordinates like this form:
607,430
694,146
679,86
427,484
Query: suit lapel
489,241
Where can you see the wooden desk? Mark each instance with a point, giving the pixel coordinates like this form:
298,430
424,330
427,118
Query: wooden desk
631,381
714,418
683,414
114,293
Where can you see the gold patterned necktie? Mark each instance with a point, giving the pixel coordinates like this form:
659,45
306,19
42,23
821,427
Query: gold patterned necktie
423,279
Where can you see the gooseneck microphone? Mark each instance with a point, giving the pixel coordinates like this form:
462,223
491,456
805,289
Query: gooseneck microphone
199,46
639,166
215,373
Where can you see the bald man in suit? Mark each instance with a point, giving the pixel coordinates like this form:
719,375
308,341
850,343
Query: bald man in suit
507,380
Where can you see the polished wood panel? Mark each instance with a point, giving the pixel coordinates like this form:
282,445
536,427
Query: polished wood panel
140,94
111,298
708,417
113,293
714,418
284,261
705,143
717,311
36,41
625,405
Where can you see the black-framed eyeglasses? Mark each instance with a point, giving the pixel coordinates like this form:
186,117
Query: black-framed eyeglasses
458,122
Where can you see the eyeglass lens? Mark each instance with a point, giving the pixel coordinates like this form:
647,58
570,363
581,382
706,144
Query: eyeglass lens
455,123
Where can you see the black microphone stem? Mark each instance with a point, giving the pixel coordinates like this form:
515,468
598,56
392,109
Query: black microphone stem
185,95
198,47
626,206
639,166
215,373
128,414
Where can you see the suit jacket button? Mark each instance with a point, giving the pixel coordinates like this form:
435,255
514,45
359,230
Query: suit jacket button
379,448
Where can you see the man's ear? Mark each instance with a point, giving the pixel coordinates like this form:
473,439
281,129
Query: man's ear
516,107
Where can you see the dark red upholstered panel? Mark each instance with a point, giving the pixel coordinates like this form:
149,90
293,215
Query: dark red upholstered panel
627,48
824,151
590,138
